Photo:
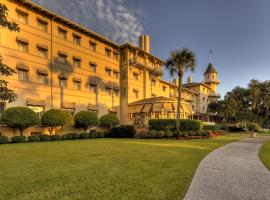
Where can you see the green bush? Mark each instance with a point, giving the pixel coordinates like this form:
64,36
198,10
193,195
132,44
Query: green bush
3,139
123,131
152,133
253,127
185,124
143,134
168,134
86,119
108,121
55,119
55,137
20,117
67,136
206,134
44,137
100,134
160,134
84,135
75,136
33,138
18,139
212,127
93,134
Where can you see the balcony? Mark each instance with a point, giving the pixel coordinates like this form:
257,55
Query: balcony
156,70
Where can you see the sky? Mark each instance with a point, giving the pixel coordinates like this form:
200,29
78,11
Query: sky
237,31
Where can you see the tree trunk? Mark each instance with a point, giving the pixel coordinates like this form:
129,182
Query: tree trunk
179,105
21,131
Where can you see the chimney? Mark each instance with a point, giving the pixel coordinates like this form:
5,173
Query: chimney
189,79
144,42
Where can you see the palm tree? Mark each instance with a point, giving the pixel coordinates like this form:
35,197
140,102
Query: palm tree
179,62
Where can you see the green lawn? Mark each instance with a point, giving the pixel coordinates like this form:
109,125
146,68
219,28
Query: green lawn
265,154
102,168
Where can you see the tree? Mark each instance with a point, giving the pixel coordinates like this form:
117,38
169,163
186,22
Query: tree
86,119
55,119
20,117
179,62
6,94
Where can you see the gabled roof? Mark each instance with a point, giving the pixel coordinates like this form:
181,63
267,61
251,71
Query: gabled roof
210,69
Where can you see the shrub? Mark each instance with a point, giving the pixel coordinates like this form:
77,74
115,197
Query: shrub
44,137
33,138
123,131
206,134
212,127
152,133
185,124
160,134
67,136
75,136
18,139
84,135
191,133
55,119
86,119
93,134
143,134
108,121
55,137
168,134
253,127
3,139
100,134
20,117
184,134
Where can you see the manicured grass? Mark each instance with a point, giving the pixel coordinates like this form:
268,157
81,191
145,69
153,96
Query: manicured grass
265,154
102,168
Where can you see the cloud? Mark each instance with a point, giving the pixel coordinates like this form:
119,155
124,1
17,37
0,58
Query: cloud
110,18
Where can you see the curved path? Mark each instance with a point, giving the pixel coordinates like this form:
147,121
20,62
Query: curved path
232,172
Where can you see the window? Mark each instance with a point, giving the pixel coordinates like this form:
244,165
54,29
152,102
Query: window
135,76
2,107
69,110
108,71
23,74
115,56
37,109
42,25
22,17
76,62
62,58
115,74
156,115
164,88
62,82
77,85
108,91
43,78
42,52
92,67
93,46
93,88
93,111
116,93
62,33
77,39
22,46
136,94
108,52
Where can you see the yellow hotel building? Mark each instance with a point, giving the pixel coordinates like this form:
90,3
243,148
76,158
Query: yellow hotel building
61,64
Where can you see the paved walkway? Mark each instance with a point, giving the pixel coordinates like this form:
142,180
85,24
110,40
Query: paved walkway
232,172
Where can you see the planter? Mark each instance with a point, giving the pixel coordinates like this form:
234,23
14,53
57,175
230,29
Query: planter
253,134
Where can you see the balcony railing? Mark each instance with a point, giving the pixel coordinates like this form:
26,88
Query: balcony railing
157,70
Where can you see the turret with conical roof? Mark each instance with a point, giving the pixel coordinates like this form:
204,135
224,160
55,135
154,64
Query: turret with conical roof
210,77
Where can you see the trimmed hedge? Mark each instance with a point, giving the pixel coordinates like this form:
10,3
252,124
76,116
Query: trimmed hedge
3,139
75,136
84,135
55,137
67,136
18,139
212,127
160,134
86,119
108,121
33,138
165,124
93,134
123,131
44,137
